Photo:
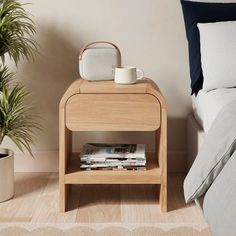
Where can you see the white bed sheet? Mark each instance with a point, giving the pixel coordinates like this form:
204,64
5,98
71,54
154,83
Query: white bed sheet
206,105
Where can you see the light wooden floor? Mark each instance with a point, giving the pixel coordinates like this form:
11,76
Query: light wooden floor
36,200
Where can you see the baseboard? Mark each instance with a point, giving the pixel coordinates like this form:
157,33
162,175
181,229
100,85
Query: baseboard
48,161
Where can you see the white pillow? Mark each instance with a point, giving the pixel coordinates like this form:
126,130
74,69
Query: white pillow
218,54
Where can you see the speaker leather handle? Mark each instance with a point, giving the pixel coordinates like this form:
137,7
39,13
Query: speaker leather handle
96,42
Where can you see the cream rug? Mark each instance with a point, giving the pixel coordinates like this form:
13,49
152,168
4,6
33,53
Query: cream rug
21,229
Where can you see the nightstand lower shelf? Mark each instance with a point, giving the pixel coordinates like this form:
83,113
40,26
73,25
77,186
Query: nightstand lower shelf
152,175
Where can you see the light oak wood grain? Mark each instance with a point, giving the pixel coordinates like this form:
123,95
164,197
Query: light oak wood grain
15,219
106,106
112,112
97,207
65,143
150,176
109,87
162,159
28,188
36,201
114,177
141,199
47,204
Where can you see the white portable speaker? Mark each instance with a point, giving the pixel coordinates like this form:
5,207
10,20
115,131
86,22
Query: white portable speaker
99,63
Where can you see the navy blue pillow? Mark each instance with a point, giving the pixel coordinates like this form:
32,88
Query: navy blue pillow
202,12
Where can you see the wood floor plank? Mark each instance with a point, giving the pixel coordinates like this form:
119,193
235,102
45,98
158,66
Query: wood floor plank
139,203
28,187
30,184
15,219
178,210
99,204
48,202
51,187
36,200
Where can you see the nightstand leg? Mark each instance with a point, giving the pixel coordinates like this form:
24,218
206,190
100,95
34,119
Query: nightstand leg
64,193
65,137
163,197
161,142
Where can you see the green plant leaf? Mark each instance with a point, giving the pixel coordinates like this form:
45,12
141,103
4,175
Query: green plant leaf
16,32
16,119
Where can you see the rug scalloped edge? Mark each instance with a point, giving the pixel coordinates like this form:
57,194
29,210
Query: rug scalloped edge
108,231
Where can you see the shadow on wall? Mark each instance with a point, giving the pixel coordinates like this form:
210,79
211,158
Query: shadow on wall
48,77
177,144
177,134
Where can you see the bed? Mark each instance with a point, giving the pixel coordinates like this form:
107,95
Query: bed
211,177
217,199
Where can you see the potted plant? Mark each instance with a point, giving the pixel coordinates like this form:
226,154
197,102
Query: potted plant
16,122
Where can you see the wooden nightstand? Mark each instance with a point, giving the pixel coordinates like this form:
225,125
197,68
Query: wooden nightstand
107,106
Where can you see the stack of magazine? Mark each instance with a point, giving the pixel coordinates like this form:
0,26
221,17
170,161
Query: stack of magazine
95,156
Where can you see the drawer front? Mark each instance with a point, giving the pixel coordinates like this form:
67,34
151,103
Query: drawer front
113,112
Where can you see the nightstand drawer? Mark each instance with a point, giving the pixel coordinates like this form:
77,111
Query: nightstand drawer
112,112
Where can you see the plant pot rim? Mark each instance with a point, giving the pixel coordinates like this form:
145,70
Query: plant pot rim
6,151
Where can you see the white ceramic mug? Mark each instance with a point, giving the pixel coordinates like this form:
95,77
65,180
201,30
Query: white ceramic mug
128,75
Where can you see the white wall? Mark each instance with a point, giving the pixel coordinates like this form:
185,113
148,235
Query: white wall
151,36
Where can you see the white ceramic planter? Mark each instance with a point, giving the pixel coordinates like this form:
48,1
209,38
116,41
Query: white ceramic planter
6,175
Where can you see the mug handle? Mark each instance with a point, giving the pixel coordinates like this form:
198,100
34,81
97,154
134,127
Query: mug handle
142,74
